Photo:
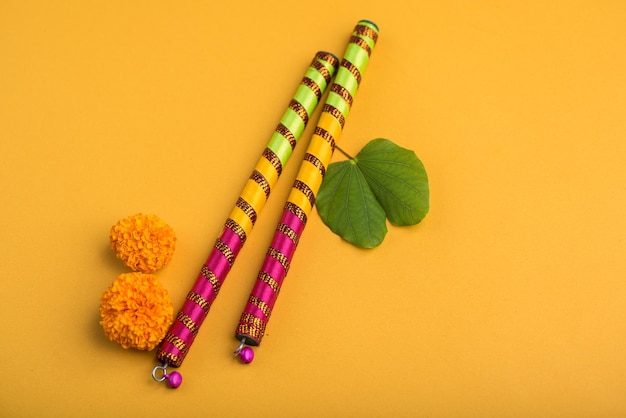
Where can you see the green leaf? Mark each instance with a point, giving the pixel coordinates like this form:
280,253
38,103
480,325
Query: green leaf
348,206
397,178
384,181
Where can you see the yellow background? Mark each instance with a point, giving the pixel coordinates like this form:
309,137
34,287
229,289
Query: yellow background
509,299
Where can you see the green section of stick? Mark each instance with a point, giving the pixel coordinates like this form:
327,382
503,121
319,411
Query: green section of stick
306,96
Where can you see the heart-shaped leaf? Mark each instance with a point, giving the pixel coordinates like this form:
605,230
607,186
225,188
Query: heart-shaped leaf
348,206
397,178
384,181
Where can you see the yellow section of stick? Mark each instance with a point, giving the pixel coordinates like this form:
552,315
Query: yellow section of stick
298,198
311,176
268,170
254,195
242,219
320,149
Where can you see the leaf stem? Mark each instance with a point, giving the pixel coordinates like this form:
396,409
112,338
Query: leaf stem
344,153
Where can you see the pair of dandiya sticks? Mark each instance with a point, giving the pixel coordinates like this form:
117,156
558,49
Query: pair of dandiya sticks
347,75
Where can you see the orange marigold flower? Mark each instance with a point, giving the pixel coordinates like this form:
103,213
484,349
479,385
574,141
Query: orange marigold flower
136,311
144,242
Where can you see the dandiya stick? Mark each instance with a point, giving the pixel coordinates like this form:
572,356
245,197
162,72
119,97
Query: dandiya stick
301,199
239,224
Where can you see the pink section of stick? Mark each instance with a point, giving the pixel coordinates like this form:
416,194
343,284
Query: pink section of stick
194,311
204,288
283,244
232,240
253,310
167,347
274,269
181,331
293,221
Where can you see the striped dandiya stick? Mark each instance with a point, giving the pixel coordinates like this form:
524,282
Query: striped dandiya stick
239,224
301,199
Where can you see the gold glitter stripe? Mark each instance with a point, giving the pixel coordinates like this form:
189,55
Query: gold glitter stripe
321,68
212,278
254,332
222,247
270,281
297,107
316,162
326,136
289,233
271,156
247,209
280,257
313,86
199,300
363,30
259,303
289,136
336,113
237,229
352,68
177,342
249,319
293,208
169,358
261,181
188,322
343,92
306,190
328,57
362,43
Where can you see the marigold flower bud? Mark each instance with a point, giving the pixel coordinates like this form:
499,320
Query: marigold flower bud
144,242
136,311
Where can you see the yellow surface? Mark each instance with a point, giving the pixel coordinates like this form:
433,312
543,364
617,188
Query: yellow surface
508,300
